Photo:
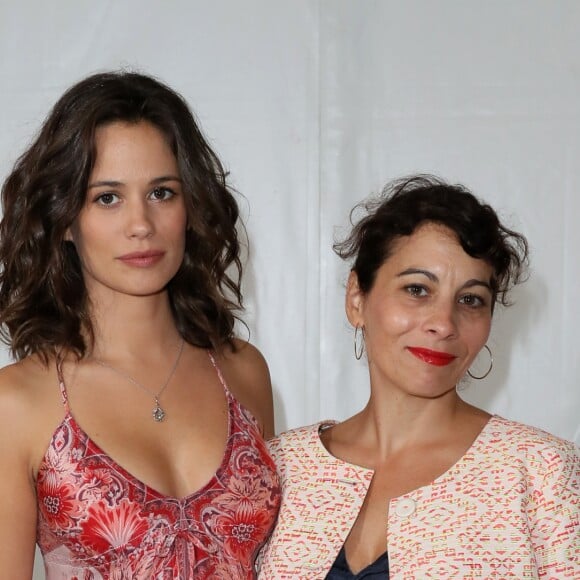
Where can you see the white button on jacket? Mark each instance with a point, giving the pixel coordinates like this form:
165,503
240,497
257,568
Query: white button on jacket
405,507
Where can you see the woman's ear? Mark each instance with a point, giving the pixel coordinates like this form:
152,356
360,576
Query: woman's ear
354,301
71,233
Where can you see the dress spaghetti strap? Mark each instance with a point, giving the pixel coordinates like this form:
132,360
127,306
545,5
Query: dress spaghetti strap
62,387
219,372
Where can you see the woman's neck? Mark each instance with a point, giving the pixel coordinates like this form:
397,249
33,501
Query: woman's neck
141,327
393,421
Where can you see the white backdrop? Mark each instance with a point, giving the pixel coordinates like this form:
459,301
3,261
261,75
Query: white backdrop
314,104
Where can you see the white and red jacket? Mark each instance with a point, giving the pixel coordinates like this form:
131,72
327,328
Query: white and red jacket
509,508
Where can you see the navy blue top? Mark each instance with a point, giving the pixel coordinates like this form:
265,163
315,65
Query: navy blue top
378,570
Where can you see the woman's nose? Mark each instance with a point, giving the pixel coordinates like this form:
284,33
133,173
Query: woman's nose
442,320
139,222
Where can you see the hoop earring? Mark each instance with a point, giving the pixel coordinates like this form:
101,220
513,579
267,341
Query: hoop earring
490,365
359,346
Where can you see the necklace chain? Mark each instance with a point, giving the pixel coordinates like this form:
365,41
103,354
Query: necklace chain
158,412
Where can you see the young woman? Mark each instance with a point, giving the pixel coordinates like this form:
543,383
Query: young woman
420,484
132,422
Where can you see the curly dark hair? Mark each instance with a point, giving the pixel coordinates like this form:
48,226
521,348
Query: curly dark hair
43,300
406,203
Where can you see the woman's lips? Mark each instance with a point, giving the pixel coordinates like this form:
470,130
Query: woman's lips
432,357
142,259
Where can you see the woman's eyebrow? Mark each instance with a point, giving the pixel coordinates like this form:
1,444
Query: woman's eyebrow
410,271
105,183
469,284
164,178
475,282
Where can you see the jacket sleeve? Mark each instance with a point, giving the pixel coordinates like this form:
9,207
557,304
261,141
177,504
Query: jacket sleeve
554,514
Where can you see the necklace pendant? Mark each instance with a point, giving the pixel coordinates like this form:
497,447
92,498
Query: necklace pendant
158,413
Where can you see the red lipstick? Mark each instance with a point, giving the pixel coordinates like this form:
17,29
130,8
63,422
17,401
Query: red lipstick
142,259
432,357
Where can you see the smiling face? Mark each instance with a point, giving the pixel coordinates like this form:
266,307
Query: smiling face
130,234
427,314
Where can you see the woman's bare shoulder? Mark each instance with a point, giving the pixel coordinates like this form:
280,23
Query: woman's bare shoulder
20,379
26,397
247,375
247,359
15,384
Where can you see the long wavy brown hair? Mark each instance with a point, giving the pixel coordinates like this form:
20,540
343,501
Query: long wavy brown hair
44,307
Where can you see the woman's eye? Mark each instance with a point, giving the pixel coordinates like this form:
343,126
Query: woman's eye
416,290
107,198
161,194
472,300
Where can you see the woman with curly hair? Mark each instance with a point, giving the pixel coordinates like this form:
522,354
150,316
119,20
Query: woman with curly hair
420,484
132,422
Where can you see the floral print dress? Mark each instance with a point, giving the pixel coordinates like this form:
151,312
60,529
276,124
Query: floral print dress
98,522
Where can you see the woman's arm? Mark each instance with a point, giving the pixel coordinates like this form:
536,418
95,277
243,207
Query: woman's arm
555,515
17,495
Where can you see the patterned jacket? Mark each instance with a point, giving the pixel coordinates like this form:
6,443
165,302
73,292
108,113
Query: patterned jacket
509,508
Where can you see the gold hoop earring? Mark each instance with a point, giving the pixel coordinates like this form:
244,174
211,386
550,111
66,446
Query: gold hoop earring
359,346
490,365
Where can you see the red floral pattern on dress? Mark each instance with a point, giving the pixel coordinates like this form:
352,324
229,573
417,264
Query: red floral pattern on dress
97,522
120,526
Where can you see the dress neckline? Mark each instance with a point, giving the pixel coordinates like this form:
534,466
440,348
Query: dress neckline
341,566
96,449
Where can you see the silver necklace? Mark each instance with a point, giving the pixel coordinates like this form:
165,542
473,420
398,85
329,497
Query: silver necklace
158,412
